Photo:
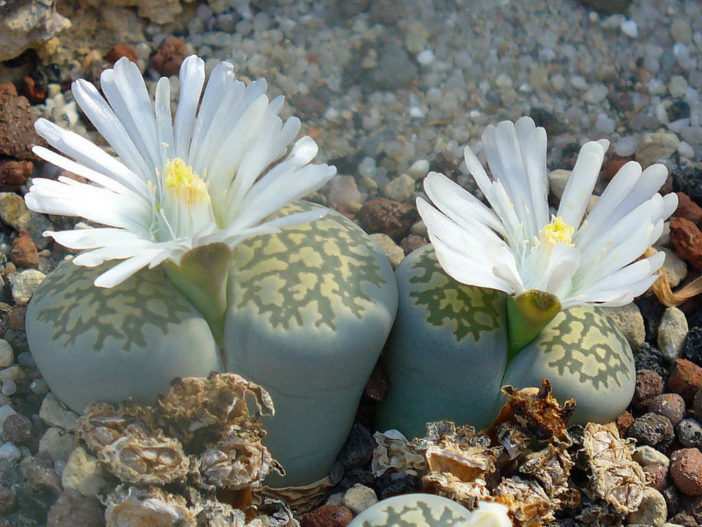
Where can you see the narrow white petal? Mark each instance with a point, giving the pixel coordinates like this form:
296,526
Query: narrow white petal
164,121
192,78
120,272
578,190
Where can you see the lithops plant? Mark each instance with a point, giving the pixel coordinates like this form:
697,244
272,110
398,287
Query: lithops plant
211,274
309,311
428,510
542,265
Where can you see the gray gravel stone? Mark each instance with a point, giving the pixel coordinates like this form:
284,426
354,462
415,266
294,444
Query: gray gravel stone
647,455
400,189
689,433
655,147
631,323
672,332
55,414
393,251
359,497
6,354
83,473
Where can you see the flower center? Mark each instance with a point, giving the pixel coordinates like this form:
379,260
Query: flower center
183,183
556,232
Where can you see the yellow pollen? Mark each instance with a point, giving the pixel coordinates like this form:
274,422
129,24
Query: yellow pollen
181,181
556,232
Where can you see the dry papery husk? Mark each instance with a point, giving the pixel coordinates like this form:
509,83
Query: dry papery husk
523,460
194,458
665,294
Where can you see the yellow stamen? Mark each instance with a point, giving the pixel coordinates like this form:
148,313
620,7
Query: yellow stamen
556,232
181,181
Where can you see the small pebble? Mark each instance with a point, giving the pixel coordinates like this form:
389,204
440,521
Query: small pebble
419,169
652,429
55,414
652,511
657,146
10,451
629,320
359,497
387,216
672,332
648,385
658,475
327,516
6,355
626,146
624,422
9,387
670,405
685,379
72,509
692,347
646,455
697,403
400,188
83,473
358,449
17,429
689,433
8,500
392,251
686,239
24,283
686,471
629,28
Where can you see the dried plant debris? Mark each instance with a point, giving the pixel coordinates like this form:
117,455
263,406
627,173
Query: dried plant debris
195,458
615,478
524,461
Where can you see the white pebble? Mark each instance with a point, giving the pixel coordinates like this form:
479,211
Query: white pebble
39,386
419,169
686,150
9,387
626,146
425,57
10,451
677,86
629,28
6,355
604,124
5,412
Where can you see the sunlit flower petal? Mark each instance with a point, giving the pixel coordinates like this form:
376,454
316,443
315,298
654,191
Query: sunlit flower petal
515,247
213,173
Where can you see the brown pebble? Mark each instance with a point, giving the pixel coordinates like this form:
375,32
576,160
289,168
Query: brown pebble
411,242
14,173
686,239
688,209
118,51
17,135
17,316
658,476
8,500
24,252
17,428
7,91
697,404
169,56
613,164
624,421
378,385
72,508
685,520
694,507
648,385
387,216
685,379
32,91
670,405
686,471
327,516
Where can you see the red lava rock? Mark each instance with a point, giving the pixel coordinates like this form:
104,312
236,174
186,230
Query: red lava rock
378,385
7,91
613,164
14,173
327,516
688,209
670,405
17,135
623,422
685,379
32,91
686,239
17,316
697,404
686,471
169,56
411,242
658,474
648,385
24,252
387,216
118,51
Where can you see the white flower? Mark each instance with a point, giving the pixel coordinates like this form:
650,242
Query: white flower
517,247
209,175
